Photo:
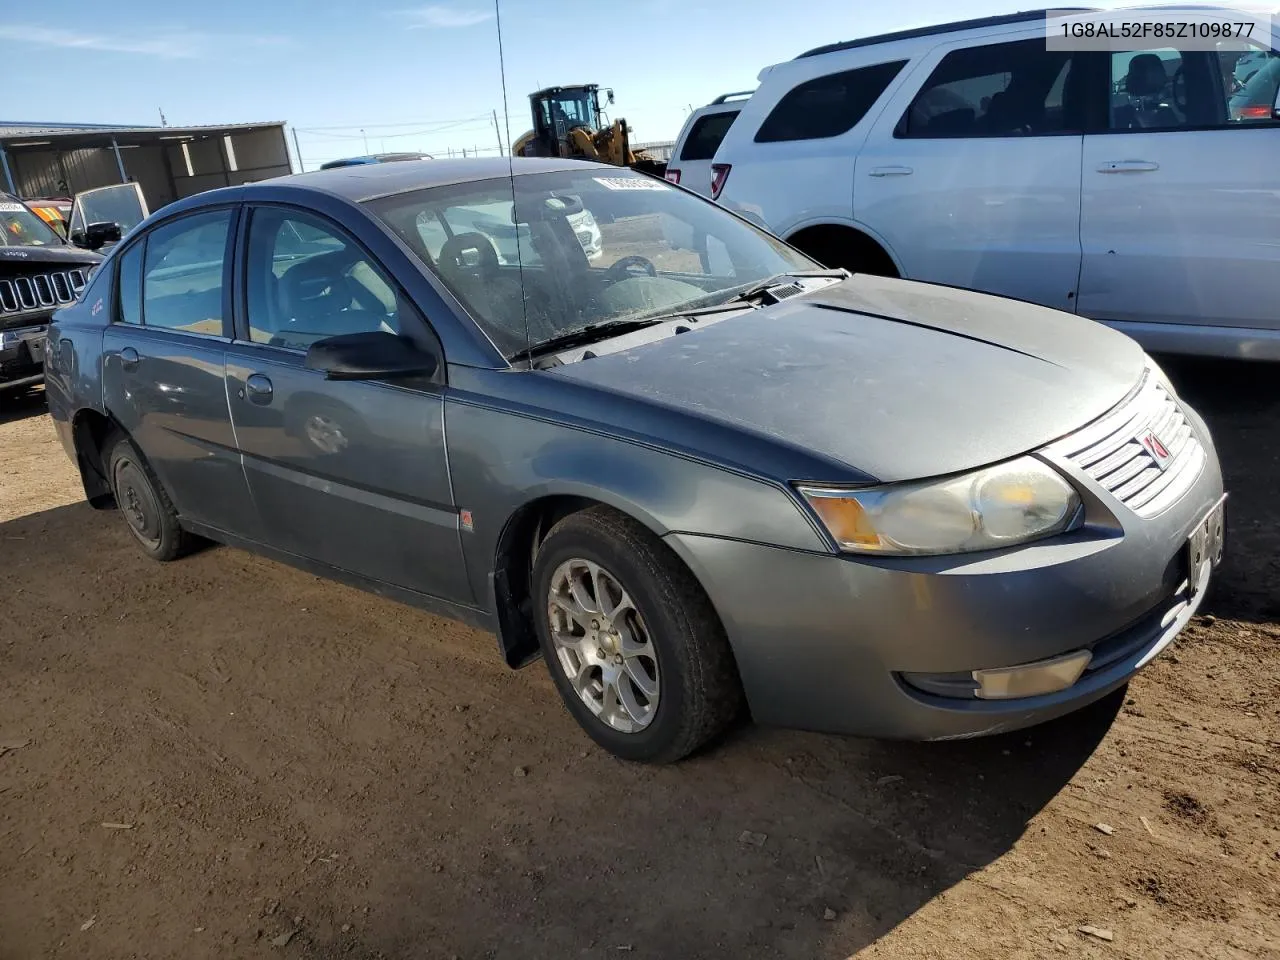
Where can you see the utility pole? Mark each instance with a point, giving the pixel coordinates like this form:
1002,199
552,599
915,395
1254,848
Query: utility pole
366,141
298,150
498,131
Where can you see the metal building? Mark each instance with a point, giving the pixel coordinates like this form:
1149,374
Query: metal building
60,160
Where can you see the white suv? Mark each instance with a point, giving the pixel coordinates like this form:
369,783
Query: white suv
1118,185
690,164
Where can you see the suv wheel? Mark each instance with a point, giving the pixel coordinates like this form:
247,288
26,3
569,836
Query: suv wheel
632,642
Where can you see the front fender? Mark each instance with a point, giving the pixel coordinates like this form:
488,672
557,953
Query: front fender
501,460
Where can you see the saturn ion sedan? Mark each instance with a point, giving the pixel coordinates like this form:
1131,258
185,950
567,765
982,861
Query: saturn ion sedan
696,474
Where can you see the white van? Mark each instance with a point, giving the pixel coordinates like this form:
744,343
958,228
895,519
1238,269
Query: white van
690,164
1123,184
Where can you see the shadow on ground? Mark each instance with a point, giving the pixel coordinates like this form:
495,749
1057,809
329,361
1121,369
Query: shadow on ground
21,404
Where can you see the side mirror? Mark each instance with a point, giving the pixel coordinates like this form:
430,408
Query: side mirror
369,356
97,235
1275,108
609,94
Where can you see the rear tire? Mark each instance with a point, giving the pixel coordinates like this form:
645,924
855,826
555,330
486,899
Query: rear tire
675,683
146,508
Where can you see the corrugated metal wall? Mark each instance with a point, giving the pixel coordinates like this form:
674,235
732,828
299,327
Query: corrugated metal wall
45,173
160,168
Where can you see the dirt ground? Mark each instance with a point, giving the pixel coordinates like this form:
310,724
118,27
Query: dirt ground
225,757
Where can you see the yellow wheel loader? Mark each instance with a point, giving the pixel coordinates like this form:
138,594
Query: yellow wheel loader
567,123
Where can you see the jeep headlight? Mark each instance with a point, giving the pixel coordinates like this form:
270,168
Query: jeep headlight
995,507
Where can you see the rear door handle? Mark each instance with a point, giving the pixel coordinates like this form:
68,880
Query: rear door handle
129,358
258,389
891,171
1128,166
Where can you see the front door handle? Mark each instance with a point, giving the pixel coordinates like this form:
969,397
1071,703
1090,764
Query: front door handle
1128,166
258,389
891,171
129,358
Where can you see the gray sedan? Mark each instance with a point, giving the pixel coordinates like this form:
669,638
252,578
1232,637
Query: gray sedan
695,474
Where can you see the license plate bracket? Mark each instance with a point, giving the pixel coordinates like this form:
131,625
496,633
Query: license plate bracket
1204,547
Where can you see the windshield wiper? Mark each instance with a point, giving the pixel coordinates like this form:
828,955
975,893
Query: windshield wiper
594,332
591,333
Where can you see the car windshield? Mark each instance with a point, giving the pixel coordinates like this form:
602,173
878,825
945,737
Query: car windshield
20,227
584,248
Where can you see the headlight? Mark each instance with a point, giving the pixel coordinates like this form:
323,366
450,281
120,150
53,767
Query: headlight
995,507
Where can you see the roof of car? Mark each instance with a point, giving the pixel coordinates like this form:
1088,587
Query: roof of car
369,180
942,28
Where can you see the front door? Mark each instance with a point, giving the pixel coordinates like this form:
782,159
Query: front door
1180,220
973,177
163,373
353,473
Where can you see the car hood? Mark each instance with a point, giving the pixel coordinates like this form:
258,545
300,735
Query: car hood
23,259
893,379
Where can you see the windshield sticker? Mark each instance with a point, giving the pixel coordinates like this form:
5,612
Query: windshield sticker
10,207
630,183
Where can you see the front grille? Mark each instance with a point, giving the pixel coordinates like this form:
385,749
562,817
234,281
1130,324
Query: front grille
1111,451
42,290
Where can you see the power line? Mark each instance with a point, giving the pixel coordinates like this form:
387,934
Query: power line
408,123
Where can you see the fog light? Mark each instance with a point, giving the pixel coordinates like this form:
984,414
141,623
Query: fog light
1032,679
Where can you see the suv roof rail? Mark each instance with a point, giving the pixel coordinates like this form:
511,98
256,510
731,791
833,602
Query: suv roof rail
728,96
942,28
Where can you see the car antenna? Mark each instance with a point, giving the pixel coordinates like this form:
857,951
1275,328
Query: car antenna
511,176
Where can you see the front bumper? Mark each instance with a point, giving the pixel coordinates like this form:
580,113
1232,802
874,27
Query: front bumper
22,356
832,643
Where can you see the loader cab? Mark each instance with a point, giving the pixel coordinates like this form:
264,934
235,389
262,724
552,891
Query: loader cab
557,110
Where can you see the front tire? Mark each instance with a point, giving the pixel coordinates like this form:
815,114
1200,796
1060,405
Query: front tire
631,640
146,508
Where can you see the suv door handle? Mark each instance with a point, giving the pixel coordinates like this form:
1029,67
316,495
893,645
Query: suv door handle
891,171
1128,166
129,358
258,388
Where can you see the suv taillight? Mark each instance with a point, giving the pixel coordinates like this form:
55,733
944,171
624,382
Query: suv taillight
673,176
719,174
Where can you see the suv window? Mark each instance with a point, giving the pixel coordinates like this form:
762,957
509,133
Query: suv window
184,272
306,281
998,90
1160,88
827,106
705,135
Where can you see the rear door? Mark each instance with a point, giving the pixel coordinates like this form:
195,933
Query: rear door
690,165
163,357
352,474
972,172
1180,222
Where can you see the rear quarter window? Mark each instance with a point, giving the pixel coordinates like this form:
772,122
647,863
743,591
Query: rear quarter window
706,134
827,106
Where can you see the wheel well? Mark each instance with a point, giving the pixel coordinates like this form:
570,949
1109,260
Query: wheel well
90,431
513,569
833,245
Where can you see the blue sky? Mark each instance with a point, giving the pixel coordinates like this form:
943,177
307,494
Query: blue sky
415,76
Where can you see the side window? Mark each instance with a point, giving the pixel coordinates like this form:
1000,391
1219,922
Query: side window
999,90
705,136
129,285
1251,79
1143,95
306,281
184,273
827,106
